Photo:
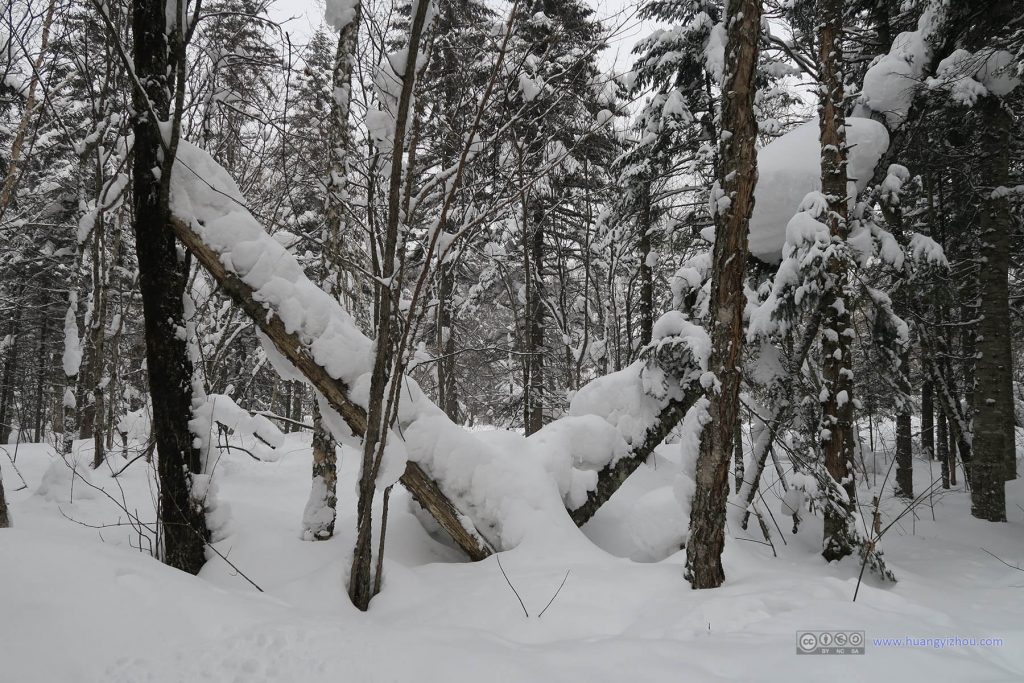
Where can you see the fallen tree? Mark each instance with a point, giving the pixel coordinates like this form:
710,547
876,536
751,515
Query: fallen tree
334,391
308,334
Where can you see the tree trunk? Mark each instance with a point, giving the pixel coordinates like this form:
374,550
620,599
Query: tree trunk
318,519
646,271
447,391
533,251
993,457
5,517
344,280
737,177
943,451
44,333
336,277
379,410
836,431
69,400
7,377
162,282
904,441
928,420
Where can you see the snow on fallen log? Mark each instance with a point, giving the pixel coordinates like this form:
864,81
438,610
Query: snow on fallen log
499,483
309,334
644,403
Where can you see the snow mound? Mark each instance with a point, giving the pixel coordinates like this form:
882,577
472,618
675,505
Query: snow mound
65,482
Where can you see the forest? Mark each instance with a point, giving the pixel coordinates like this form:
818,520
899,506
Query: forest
511,339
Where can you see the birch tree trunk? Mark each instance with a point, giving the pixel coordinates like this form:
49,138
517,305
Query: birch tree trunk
321,508
737,178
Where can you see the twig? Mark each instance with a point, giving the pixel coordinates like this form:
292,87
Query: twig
232,565
143,454
1011,566
24,484
564,578
511,586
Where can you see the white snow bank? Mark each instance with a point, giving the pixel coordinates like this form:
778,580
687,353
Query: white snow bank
789,167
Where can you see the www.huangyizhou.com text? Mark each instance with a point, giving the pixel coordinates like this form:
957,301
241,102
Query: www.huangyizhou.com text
937,643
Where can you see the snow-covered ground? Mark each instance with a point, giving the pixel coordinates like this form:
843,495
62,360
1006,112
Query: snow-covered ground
78,603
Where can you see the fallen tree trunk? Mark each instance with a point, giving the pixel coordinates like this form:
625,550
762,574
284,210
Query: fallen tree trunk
423,489
612,477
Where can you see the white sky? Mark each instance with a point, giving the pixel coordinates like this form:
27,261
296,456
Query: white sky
305,15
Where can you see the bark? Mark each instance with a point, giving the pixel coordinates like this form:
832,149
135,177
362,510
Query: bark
928,420
836,432
994,457
943,450
940,374
737,457
162,282
360,587
737,178
344,281
323,498
5,518
92,411
12,175
447,391
42,364
533,253
904,443
9,370
338,279
646,271
69,401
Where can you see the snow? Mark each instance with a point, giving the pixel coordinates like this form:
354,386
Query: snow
891,83
714,52
339,13
790,166
998,74
205,195
969,76
82,604
510,487
222,409
71,359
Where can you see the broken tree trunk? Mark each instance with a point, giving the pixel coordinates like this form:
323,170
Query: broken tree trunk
422,487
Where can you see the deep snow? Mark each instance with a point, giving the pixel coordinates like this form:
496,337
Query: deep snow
79,604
